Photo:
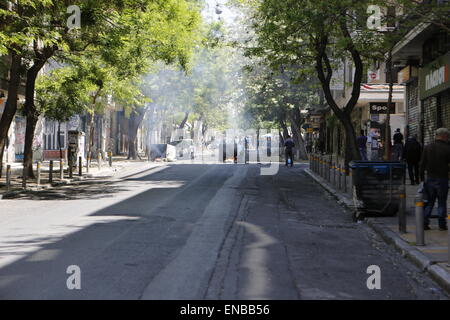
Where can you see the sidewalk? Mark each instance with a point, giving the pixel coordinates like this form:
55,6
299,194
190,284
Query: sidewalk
120,167
431,258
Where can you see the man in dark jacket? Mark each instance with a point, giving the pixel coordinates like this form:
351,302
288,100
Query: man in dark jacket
412,154
289,145
361,141
435,161
398,146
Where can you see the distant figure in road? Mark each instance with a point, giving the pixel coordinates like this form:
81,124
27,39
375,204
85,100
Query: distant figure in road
362,145
435,161
289,146
398,146
412,154
246,150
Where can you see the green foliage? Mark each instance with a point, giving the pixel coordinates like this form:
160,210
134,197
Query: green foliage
106,61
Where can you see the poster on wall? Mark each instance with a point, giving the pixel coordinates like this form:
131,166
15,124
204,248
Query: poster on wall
20,137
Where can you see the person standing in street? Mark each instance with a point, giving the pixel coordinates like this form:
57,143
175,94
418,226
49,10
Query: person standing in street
412,153
374,145
362,145
289,146
435,161
398,146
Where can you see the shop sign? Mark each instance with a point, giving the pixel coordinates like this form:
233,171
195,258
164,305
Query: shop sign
373,75
381,108
434,78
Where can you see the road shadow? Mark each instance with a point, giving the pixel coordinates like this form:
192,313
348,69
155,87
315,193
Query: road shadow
121,247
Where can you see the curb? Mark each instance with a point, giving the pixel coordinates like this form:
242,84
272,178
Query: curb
335,193
108,172
424,263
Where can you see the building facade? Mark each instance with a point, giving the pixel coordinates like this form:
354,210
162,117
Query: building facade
424,54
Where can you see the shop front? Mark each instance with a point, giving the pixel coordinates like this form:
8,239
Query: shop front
434,86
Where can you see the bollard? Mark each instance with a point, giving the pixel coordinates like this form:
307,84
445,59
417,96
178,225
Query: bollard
50,174
8,177
320,165
110,159
339,175
80,166
448,244
345,180
38,182
420,234
61,169
402,210
333,167
88,160
70,167
328,170
24,177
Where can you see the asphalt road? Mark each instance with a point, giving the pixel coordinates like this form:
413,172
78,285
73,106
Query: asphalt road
196,231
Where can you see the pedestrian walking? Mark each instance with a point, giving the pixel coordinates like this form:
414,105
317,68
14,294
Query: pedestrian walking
289,146
412,154
435,161
398,146
362,145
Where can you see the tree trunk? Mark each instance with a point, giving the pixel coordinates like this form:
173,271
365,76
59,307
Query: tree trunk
32,115
300,144
285,130
183,123
295,121
11,103
281,138
204,129
134,123
193,130
91,131
325,73
32,119
351,147
59,141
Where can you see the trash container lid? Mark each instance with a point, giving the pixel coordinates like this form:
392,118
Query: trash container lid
378,164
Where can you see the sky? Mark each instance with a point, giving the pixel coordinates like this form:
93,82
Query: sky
210,10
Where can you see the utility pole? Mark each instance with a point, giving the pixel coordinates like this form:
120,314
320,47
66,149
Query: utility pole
387,142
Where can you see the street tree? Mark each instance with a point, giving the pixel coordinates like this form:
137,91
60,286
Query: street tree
104,25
